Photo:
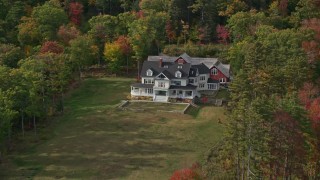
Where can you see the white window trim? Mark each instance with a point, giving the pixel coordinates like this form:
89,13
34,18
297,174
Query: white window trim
222,80
214,71
149,72
178,74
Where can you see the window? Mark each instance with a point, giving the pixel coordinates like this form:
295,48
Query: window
165,66
202,78
201,85
174,92
149,72
136,90
188,93
222,80
179,67
191,81
177,83
212,86
148,81
180,61
196,80
148,91
178,74
214,71
161,84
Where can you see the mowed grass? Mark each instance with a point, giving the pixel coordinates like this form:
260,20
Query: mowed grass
152,106
95,140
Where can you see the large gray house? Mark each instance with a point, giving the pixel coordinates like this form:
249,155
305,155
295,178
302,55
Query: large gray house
183,77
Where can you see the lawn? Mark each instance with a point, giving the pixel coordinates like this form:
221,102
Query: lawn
96,140
155,106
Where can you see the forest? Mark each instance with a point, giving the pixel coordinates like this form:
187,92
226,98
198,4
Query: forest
273,47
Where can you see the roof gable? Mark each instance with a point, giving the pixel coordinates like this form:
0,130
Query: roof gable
163,75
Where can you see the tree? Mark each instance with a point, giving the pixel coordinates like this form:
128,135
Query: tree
27,37
83,52
244,24
114,56
222,34
170,32
233,7
75,12
125,48
67,33
287,146
49,18
51,47
10,55
16,11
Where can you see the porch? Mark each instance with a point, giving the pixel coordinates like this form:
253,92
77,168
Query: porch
142,89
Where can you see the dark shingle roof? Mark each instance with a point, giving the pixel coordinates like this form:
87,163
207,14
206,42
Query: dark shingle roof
203,69
168,71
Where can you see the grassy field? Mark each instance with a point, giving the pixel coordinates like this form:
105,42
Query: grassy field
95,140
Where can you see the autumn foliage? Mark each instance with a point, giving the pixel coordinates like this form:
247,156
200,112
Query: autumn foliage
51,47
75,11
222,34
67,33
194,172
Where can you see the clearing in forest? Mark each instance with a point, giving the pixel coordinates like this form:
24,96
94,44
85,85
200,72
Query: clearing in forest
95,140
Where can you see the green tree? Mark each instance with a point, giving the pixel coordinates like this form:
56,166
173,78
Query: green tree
83,53
10,55
49,18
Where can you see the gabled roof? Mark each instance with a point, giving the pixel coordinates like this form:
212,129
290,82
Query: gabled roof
186,57
224,68
196,62
168,71
202,69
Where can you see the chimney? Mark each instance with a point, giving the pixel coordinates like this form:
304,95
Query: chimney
160,62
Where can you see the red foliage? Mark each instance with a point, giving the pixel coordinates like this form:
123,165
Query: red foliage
312,50
191,173
170,32
203,34
204,100
313,24
75,11
283,5
51,47
314,112
140,14
287,145
67,33
307,93
124,44
223,34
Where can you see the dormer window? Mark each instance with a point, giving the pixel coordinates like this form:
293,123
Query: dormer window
214,71
178,74
149,72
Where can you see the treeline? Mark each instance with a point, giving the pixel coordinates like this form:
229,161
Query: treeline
275,98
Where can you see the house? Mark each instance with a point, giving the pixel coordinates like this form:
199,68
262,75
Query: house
184,77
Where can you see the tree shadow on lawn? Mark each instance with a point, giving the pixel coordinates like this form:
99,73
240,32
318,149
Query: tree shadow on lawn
103,147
